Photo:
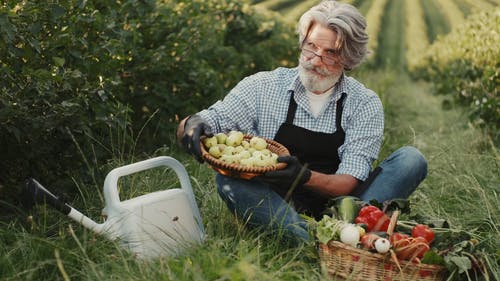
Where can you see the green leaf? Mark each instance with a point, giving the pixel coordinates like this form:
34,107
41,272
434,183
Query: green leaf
7,30
58,61
397,204
68,104
432,257
82,3
376,203
462,263
57,11
328,228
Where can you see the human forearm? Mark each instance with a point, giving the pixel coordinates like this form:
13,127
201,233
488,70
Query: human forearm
180,129
332,185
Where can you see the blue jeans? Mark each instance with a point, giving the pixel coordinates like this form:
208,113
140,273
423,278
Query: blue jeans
258,205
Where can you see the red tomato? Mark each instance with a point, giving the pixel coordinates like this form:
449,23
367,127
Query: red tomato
424,231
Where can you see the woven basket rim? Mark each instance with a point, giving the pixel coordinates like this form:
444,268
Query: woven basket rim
242,171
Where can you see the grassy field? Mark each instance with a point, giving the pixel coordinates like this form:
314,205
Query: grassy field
462,187
463,175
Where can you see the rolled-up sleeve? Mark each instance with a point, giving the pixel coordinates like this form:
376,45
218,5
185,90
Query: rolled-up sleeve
364,132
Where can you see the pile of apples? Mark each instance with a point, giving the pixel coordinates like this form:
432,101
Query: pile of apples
232,148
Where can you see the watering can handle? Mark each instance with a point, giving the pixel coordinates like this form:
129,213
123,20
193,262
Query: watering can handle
111,182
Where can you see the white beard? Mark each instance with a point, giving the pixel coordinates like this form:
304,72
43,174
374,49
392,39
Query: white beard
317,80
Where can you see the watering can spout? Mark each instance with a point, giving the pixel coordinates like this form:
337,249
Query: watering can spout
37,193
87,222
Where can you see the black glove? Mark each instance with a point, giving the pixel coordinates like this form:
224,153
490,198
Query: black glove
194,127
293,174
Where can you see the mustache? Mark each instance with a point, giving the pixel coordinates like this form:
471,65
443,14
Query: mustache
308,66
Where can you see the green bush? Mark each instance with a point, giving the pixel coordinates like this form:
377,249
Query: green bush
53,83
465,63
82,70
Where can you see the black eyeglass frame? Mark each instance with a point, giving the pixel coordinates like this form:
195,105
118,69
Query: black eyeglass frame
310,54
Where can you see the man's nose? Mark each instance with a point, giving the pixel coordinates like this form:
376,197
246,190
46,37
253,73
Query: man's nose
316,61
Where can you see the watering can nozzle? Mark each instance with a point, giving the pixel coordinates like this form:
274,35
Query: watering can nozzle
35,193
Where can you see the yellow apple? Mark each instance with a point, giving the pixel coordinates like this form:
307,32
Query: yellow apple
245,144
228,150
221,138
215,151
209,142
258,143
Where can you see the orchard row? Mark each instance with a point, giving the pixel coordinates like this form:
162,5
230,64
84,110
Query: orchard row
452,43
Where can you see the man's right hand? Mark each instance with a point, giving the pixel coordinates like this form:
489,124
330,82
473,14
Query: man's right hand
194,127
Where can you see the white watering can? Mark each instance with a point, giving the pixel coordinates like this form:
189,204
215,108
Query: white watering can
161,223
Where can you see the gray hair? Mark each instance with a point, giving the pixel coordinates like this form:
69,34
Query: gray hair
346,21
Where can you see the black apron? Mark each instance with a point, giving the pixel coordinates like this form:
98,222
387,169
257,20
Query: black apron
316,149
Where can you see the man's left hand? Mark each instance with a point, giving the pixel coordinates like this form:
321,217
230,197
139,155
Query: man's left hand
293,173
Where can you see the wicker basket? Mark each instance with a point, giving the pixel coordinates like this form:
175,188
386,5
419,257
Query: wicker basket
345,262
349,263
239,171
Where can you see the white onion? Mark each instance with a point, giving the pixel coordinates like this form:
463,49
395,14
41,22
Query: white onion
382,245
349,235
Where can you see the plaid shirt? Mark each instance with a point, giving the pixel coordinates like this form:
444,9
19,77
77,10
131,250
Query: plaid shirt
258,106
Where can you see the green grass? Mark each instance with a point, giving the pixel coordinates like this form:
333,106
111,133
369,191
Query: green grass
462,187
464,169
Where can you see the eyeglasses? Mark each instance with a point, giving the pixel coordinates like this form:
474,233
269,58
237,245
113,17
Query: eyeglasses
328,60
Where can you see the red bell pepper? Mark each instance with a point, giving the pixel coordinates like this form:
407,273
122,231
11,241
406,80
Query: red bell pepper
422,230
373,218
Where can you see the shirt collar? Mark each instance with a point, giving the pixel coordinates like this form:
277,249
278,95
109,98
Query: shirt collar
340,88
296,86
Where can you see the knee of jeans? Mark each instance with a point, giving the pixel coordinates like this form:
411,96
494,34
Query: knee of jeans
224,190
414,160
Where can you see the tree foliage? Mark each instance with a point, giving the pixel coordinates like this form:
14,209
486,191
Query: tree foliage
78,70
465,66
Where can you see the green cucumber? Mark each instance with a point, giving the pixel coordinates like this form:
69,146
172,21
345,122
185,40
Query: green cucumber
347,209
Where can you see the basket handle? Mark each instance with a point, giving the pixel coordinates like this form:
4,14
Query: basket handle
393,222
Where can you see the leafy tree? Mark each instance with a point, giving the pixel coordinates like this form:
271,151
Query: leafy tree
74,73
464,65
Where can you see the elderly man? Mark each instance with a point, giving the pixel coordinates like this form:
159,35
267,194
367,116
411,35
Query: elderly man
331,123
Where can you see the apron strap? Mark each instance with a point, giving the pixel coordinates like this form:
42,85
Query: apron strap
338,117
292,107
